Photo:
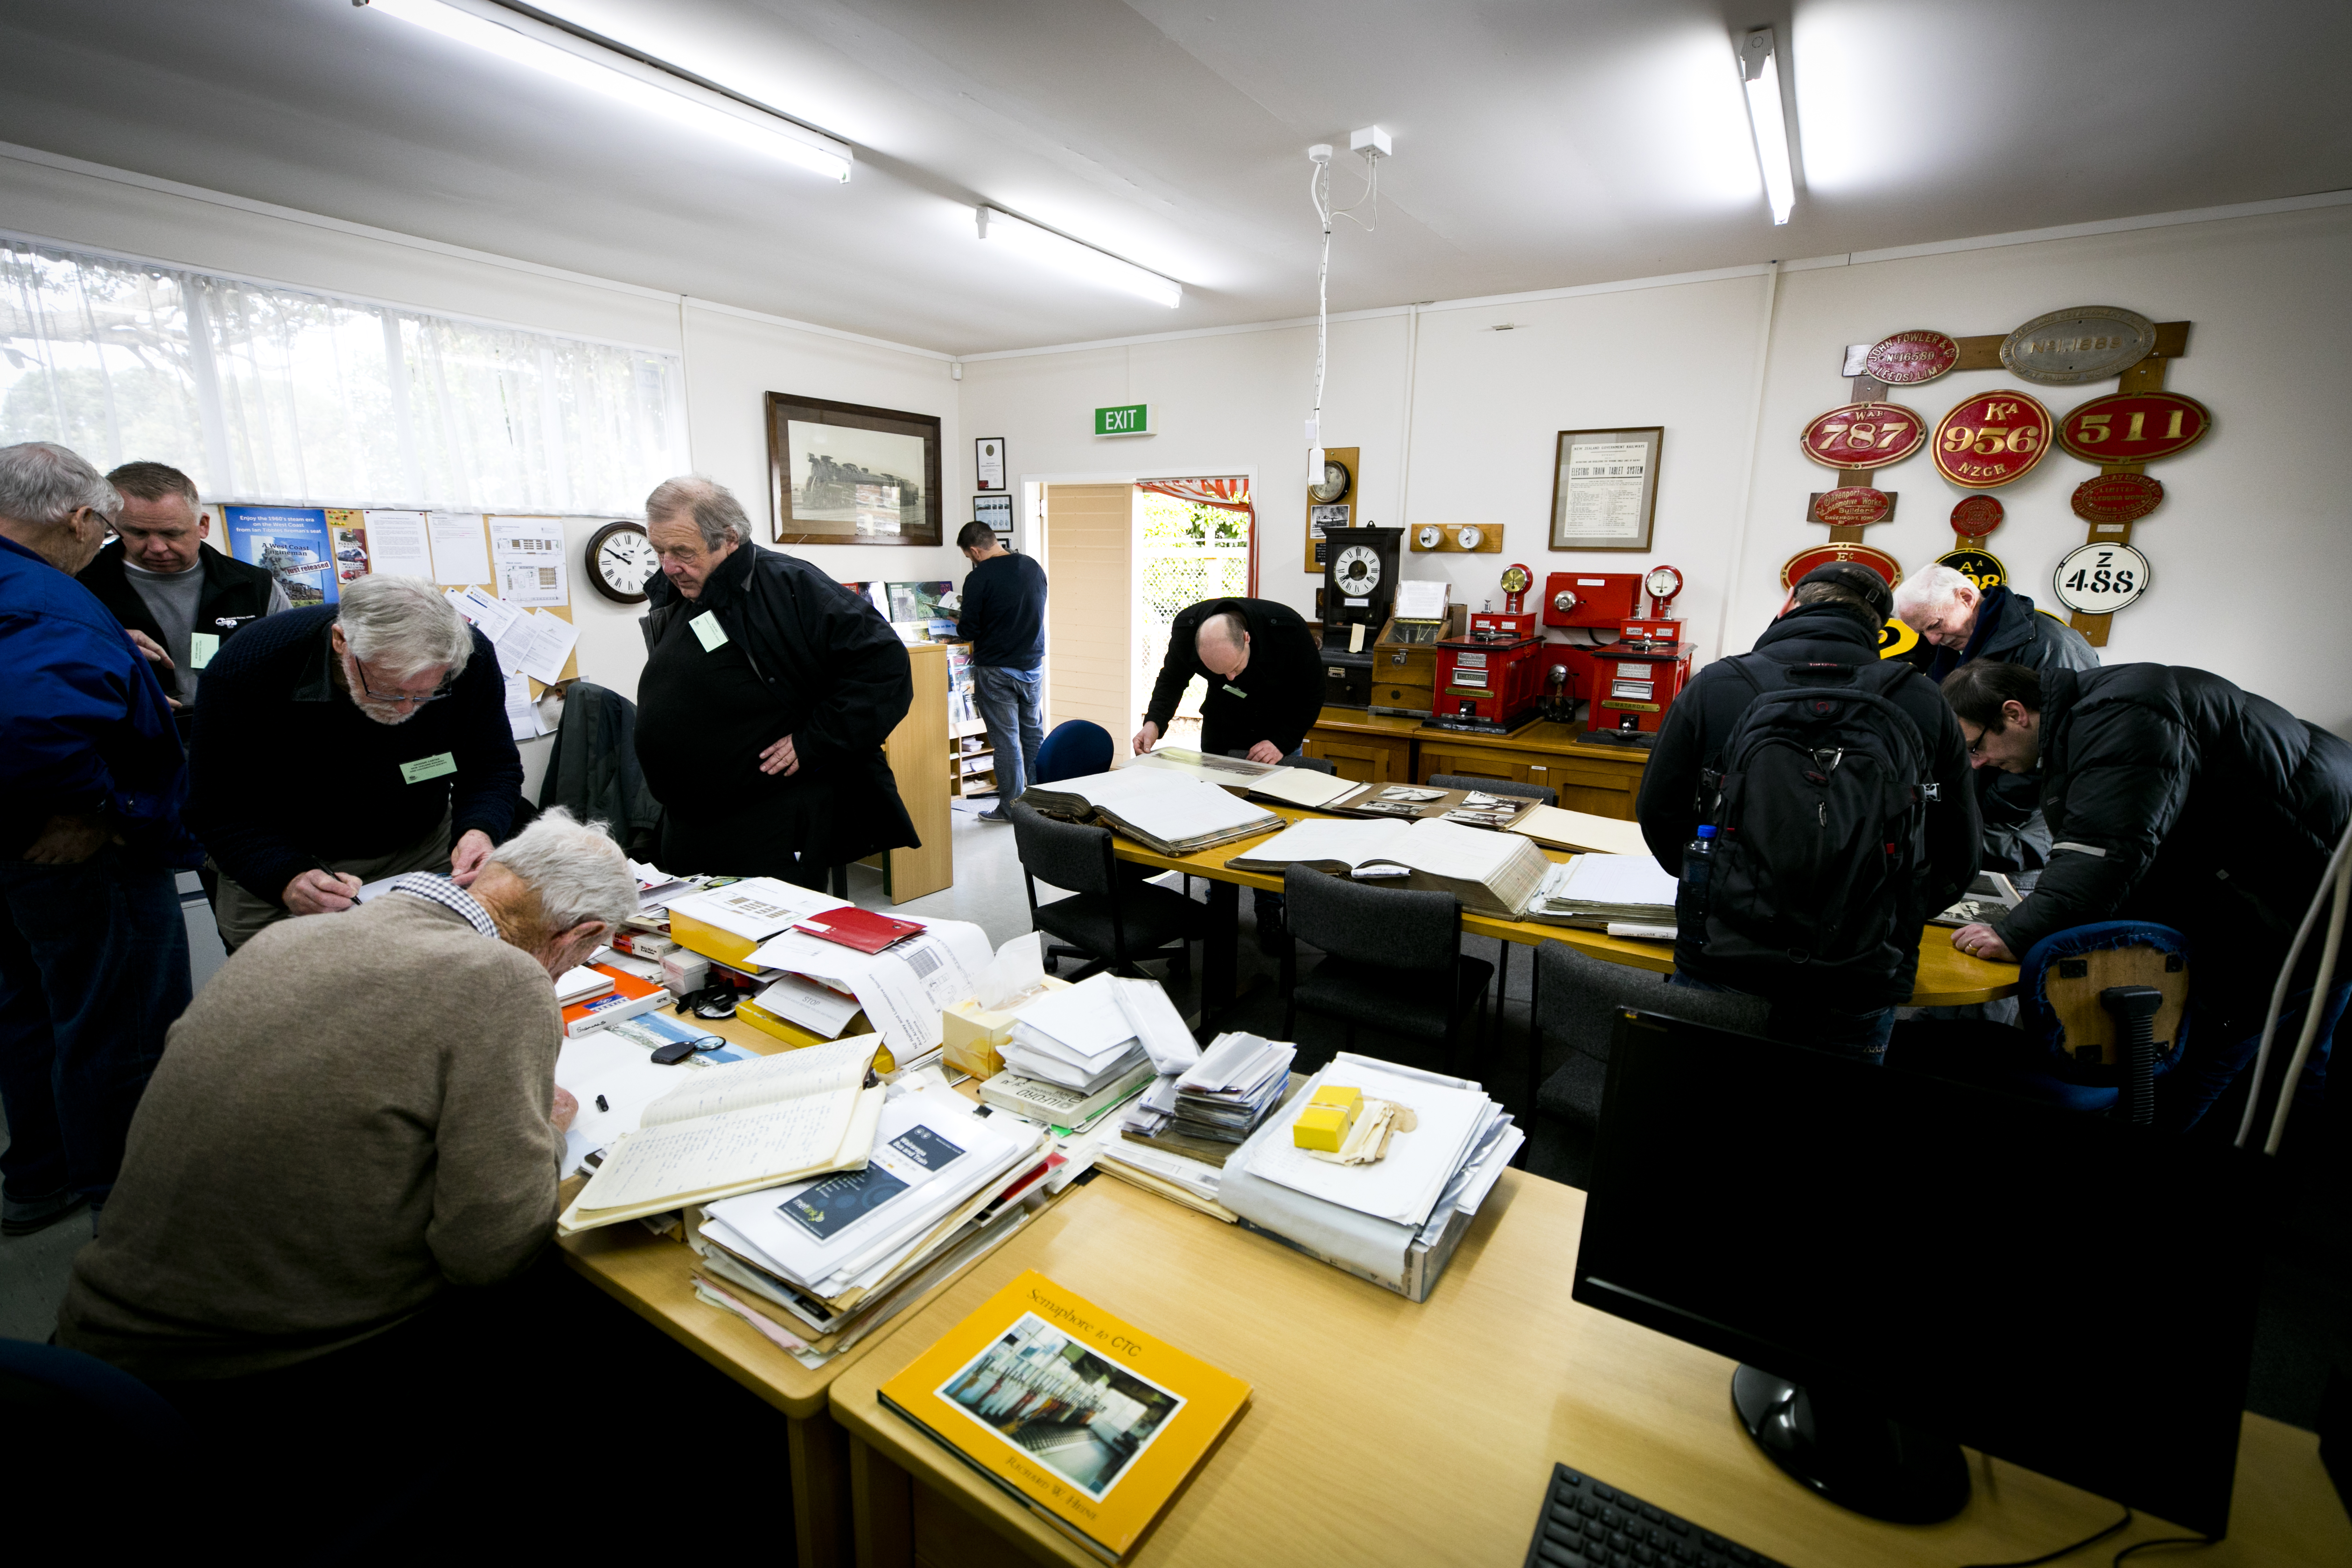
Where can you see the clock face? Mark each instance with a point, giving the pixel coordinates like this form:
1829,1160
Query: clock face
1663,581
1358,570
1430,536
621,561
1467,538
1516,580
1334,485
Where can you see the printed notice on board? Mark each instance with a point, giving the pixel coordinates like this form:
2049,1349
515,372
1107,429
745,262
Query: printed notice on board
1604,489
527,553
458,555
396,544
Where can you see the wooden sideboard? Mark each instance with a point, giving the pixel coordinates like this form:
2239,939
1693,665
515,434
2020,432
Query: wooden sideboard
1381,748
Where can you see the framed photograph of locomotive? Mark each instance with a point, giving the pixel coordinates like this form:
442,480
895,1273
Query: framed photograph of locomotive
1604,487
842,473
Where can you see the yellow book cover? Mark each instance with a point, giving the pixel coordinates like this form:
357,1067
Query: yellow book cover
1092,1423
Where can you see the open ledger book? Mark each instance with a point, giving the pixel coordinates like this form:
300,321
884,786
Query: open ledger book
736,1128
1159,807
1266,781
1493,873
1564,829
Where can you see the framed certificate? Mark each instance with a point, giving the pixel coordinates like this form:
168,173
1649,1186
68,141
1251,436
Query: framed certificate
1604,487
988,463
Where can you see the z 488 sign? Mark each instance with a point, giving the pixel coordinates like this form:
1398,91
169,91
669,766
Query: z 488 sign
2100,579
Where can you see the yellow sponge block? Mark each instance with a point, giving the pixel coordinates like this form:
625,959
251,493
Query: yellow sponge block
1327,1119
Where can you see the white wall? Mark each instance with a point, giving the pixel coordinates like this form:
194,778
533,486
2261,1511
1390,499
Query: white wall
2254,510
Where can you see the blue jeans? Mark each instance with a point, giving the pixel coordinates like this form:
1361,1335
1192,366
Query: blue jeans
2189,1090
93,970
1805,1021
1008,704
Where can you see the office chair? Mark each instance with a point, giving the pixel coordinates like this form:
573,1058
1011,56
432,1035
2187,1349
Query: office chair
1075,748
81,1430
1542,795
2102,1014
1392,958
1112,922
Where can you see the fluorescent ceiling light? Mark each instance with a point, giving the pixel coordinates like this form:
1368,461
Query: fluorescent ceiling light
1759,70
1065,255
527,41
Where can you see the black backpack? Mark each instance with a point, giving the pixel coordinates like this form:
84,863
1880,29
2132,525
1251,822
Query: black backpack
1819,802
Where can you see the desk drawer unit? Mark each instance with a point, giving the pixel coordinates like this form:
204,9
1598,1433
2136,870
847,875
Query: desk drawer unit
1366,759
1605,786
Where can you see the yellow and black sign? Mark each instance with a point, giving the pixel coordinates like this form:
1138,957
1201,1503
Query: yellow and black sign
1896,639
1981,567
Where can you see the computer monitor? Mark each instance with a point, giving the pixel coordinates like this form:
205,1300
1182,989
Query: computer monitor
1904,1264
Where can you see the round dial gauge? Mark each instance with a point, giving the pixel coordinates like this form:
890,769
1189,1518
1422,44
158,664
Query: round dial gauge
621,561
1467,538
1515,579
1335,480
1663,582
1429,537
1564,601
1358,570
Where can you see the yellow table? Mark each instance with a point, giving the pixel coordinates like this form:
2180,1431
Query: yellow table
1383,1432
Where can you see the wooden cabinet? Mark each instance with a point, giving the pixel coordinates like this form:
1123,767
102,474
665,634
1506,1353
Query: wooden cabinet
1369,748
1603,779
919,753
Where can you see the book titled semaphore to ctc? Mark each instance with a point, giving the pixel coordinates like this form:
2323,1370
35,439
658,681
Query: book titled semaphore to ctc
1090,1422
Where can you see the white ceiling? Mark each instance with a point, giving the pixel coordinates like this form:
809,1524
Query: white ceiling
1538,142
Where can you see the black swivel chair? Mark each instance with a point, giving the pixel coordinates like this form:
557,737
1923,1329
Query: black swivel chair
1111,921
1577,1000
1394,958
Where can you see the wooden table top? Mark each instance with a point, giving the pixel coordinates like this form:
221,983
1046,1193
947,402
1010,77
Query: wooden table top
1947,977
1380,1431
1536,735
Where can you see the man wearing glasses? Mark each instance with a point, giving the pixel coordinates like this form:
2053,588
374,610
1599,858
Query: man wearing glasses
346,743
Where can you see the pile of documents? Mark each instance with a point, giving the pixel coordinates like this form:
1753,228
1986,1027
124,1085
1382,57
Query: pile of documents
1175,1139
1161,808
1624,895
817,1265
1099,1031
1395,1222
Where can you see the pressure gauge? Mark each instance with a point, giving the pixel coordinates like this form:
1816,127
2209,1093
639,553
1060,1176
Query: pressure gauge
1335,480
1663,583
1467,538
1564,602
1430,537
1358,571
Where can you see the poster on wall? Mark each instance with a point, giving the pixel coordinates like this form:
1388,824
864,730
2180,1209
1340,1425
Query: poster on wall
527,556
290,543
841,473
396,544
459,554
1604,492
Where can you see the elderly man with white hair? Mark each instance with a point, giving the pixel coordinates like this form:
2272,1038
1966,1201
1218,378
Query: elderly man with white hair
93,950
345,743
356,1124
767,693
1963,623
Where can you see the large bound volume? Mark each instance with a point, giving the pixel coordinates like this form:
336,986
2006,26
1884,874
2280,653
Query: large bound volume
1090,1422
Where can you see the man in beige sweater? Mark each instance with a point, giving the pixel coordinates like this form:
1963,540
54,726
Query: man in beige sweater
357,1114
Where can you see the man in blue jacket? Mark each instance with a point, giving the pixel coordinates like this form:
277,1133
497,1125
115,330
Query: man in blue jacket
93,950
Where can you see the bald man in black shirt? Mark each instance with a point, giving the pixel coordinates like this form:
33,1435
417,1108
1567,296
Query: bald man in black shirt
1264,674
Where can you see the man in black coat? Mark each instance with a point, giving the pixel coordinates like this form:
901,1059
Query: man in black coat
2178,798
767,693
1831,617
1264,674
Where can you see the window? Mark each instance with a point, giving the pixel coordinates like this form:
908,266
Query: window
263,393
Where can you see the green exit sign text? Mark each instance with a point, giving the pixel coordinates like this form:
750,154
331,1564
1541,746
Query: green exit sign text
1127,420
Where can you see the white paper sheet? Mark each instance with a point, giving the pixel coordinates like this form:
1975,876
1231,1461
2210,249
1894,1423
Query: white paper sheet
1404,1186
528,556
757,908
523,714
1420,601
460,554
398,544
543,642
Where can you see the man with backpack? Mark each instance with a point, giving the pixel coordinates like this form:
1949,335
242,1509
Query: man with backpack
1831,792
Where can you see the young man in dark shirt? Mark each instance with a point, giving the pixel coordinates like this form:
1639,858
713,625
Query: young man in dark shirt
1003,615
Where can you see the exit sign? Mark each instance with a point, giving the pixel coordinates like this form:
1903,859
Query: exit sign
1127,420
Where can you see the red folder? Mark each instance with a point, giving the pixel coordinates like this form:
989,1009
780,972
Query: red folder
861,928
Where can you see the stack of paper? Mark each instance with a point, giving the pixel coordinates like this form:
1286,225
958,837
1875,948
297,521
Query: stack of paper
902,990
1236,1082
1159,807
829,1259
1394,1222
1081,1038
1603,892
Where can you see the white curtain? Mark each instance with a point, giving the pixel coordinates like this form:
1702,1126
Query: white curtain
268,393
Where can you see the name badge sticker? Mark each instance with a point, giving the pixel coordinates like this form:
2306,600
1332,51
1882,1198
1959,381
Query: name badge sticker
1235,691
441,765
201,645
706,628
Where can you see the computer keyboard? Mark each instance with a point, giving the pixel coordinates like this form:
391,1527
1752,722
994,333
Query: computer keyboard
1587,1524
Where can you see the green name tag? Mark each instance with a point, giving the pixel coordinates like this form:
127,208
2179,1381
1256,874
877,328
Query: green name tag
1236,690
439,765
201,645
706,626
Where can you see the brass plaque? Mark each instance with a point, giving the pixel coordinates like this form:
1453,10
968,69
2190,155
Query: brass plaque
2080,343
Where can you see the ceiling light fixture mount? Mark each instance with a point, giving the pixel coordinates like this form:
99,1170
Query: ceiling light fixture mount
522,37
1759,75
1076,258
1372,145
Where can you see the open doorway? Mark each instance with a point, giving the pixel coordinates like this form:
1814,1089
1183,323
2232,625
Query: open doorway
1195,539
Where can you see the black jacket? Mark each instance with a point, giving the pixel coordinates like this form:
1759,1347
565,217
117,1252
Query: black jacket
1700,723
2009,630
289,775
840,676
2176,798
1282,688
235,593
593,769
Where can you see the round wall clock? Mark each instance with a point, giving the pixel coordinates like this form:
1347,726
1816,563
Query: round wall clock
1358,570
2100,579
1335,480
1467,538
1429,537
621,561
1662,583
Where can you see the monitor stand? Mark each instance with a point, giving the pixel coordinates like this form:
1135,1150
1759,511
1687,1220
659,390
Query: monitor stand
1850,1454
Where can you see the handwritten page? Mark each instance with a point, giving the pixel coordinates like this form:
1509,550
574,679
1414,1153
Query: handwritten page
765,1081
460,554
663,1161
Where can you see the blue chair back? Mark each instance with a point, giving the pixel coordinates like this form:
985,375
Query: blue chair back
1075,748
2078,1061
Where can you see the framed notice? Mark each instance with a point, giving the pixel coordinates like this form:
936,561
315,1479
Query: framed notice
1604,487
994,510
842,473
988,463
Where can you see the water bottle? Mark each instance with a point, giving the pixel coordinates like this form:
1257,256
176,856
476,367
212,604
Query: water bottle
1690,895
